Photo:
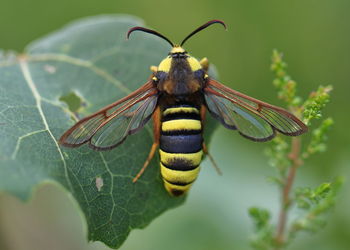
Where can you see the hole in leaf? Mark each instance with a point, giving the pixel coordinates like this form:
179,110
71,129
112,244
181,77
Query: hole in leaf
74,102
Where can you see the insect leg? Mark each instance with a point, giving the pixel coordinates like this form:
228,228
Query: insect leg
205,151
204,146
204,63
156,134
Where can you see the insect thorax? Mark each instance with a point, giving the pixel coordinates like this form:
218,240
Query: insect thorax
180,74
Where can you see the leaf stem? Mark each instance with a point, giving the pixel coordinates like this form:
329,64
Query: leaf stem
286,201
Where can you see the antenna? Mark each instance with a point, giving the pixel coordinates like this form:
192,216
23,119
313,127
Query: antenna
150,32
203,27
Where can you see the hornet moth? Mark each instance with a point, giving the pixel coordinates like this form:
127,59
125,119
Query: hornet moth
177,96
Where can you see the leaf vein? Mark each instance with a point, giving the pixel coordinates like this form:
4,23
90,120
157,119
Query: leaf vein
112,184
105,53
80,62
72,114
27,76
14,154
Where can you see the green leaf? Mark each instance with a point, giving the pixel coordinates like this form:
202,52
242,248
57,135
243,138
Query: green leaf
316,204
74,72
264,231
315,103
260,217
283,82
319,138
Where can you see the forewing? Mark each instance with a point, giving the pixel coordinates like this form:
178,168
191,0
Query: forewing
110,126
254,119
128,122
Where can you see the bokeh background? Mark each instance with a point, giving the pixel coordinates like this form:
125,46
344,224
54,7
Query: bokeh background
314,36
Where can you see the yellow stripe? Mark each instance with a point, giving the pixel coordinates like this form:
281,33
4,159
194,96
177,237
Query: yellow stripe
194,159
181,124
180,109
165,65
169,187
194,64
178,175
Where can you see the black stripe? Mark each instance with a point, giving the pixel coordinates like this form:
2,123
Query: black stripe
181,115
183,104
181,143
180,165
181,132
177,192
178,183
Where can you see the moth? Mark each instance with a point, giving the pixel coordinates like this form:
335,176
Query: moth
177,97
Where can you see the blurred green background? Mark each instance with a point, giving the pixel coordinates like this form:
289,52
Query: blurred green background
314,35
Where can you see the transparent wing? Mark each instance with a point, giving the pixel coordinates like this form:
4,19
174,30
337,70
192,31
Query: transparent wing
110,126
254,119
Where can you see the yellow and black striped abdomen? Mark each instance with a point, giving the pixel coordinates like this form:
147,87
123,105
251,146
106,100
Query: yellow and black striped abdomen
180,148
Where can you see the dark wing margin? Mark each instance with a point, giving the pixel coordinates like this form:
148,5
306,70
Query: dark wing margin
254,119
109,127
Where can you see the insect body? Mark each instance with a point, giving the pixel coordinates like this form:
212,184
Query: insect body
177,96
180,77
180,146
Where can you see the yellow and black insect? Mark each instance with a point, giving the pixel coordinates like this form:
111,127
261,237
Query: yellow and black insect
177,96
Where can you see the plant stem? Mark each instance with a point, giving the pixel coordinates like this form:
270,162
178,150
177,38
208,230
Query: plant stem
286,202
